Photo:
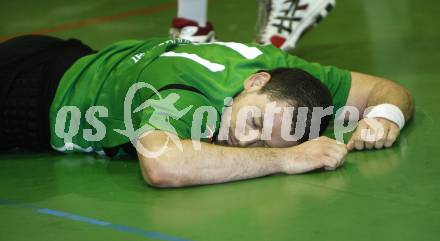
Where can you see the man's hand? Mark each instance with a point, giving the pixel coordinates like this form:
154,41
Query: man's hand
367,91
322,152
373,133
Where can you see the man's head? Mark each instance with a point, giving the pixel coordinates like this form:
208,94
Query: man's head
282,87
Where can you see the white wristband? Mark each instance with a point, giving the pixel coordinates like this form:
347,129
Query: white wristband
387,111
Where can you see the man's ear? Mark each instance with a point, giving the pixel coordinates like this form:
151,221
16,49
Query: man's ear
257,80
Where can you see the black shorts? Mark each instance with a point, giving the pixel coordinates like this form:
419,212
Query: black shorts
30,69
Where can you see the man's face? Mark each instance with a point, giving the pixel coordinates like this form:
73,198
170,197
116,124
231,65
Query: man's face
248,115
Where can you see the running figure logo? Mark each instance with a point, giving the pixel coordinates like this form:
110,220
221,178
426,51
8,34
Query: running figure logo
164,109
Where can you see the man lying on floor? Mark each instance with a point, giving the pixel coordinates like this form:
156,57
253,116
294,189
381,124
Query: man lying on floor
194,113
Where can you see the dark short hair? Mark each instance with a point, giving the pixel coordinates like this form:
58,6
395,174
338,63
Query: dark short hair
299,89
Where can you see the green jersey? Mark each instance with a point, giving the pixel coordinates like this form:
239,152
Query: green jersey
128,80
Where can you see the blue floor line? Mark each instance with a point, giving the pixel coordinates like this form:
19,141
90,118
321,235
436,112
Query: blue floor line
92,221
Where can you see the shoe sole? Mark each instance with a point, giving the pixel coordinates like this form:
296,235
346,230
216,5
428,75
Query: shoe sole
316,16
209,38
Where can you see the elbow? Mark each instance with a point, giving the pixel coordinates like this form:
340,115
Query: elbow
410,104
158,172
405,98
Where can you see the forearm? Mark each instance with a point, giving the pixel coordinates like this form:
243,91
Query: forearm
386,91
211,164
218,164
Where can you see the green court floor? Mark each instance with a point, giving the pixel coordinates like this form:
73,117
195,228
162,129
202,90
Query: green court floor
385,195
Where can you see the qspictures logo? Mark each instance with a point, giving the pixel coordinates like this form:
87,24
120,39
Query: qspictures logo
234,133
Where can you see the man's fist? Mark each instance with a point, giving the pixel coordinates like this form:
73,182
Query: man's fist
321,152
373,133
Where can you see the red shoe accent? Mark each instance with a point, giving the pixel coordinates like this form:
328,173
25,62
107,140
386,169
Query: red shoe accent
180,23
302,7
277,40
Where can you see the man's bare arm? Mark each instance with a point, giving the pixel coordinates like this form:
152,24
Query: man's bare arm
367,91
218,164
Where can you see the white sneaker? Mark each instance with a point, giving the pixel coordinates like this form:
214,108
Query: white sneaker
187,29
283,22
